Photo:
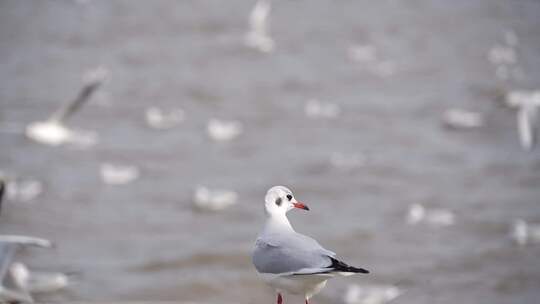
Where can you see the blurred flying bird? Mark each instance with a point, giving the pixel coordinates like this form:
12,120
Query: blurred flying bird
505,59
258,36
462,119
367,57
113,174
23,189
159,119
220,130
437,217
371,294
318,109
38,282
524,233
527,104
501,54
11,289
53,131
526,122
290,261
213,200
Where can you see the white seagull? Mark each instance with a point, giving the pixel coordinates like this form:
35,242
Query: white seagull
11,289
222,130
53,131
289,261
38,282
436,216
525,233
157,118
258,36
214,200
527,104
462,119
24,190
371,294
112,174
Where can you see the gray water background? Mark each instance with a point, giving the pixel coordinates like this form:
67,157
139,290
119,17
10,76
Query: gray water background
144,241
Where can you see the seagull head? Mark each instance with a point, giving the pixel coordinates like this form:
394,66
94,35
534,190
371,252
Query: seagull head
279,200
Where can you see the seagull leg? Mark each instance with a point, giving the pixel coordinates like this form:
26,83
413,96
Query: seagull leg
307,301
279,299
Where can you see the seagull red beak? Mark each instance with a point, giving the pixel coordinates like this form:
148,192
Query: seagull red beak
300,206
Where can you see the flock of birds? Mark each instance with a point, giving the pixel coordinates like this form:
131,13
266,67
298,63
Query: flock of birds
504,58
18,283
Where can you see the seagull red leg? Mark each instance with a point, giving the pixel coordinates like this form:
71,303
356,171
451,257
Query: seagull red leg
279,299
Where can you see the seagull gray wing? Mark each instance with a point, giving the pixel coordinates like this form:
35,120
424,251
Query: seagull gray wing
290,253
25,240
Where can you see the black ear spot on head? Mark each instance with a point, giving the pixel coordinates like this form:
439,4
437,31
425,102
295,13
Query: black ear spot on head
278,201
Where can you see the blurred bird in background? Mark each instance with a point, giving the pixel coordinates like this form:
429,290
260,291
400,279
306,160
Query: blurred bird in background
17,283
258,36
54,131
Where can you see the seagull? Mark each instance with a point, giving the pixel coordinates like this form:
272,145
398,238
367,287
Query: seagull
500,54
317,109
524,233
526,121
462,119
53,131
527,104
214,200
224,130
38,282
258,36
21,189
10,288
436,216
289,261
157,118
374,294
112,174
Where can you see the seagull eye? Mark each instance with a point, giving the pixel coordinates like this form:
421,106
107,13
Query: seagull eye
289,197
278,201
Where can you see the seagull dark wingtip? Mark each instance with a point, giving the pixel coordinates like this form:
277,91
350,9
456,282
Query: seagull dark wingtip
341,266
362,270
